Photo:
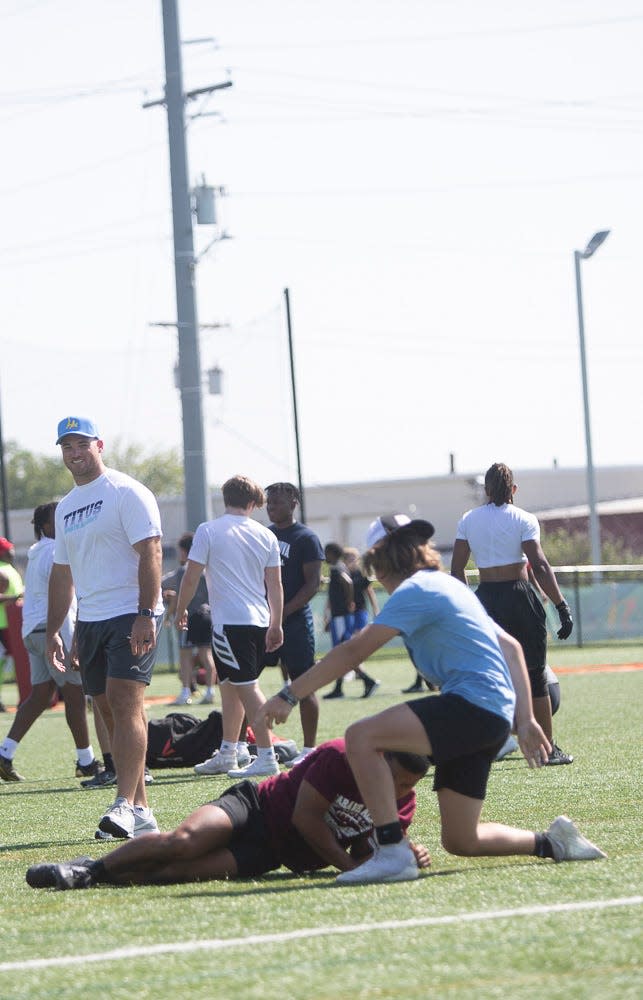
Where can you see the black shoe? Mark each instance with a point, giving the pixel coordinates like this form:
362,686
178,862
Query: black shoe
88,770
69,875
413,688
8,771
557,756
2,707
370,685
101,779
335,693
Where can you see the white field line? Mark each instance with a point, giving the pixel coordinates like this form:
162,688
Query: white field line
221,944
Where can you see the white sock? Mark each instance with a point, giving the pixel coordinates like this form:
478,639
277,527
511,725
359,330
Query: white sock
307,749
228,748
266,753
144,811
85,756
242,747
186,693
8,748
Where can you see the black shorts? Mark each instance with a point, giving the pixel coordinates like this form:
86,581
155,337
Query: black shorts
199,630
515,606
104,651
298,651
238,652
250,844
464,740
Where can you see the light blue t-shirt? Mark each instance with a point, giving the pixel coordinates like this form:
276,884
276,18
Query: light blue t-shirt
451,639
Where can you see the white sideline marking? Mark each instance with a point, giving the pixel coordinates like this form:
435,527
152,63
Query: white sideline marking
220,944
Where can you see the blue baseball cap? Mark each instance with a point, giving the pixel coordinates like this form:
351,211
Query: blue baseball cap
77,425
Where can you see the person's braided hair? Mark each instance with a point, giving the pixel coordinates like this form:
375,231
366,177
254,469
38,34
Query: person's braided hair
41,516
498,484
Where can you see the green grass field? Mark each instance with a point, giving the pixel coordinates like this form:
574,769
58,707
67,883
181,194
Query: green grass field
469,928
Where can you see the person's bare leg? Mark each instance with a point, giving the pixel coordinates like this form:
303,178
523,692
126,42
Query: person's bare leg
542,712
31,709
463,833
76,715
252,699
309,714
196,849
129,737
232,711
396,728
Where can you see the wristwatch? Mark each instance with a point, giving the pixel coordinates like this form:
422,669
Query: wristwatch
145,613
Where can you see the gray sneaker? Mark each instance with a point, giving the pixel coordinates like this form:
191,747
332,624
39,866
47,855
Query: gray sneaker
218,763
568,843
118,820
392,863
144,824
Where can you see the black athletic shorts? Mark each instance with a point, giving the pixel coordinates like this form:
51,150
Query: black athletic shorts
250,844
515,606
238,652
464,739
199,630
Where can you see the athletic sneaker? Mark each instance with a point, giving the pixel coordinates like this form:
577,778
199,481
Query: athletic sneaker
88,770
256,769
218,763
557,756
335,693
102,779
118,820
207,699
8,771
69,875
148,778
145,824
392,863
300,756
182,699
370,685
509,746
568,843
244,757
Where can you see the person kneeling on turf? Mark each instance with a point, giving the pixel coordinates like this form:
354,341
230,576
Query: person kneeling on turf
308,818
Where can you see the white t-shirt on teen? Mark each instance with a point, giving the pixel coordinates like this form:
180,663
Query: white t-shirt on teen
495,534
96,527
40,559
236,551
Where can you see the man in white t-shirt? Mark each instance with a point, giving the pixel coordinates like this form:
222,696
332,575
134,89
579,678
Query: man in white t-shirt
243,572
108,547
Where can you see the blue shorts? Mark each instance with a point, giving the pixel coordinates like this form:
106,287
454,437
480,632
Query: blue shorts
298,650
104,651
464,741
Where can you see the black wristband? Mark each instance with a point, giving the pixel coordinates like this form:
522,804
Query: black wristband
563,606
286,695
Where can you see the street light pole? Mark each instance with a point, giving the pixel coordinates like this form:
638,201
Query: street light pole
594,524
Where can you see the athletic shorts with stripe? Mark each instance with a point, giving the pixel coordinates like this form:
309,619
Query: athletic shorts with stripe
239,652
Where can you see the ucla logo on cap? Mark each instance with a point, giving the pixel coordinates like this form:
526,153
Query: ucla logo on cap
77,425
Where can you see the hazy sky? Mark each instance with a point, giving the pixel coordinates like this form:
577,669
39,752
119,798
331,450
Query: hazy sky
417,172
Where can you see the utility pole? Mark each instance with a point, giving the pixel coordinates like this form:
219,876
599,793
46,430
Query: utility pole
291,355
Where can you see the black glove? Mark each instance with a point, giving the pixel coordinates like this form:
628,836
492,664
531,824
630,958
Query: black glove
566,620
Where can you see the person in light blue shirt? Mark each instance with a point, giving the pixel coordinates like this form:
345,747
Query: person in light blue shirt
484,688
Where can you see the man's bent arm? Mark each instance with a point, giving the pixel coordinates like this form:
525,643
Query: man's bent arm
312,583
308,820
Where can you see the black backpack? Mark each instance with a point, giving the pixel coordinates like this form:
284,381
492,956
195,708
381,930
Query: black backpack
181,740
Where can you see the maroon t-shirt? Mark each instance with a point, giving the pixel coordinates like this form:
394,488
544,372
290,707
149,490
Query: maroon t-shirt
328,771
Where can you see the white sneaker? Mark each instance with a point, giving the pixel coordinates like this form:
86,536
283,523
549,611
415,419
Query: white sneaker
568,843
300,756
392,863
218,763
509,746
183,699
118,820
207,699
144,824
244,757
256,769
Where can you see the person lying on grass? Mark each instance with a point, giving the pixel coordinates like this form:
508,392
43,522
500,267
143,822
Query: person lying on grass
482,676
308,818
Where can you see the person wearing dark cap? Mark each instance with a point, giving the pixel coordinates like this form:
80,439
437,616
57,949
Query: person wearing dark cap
108,547
11,590
484,686
504,541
